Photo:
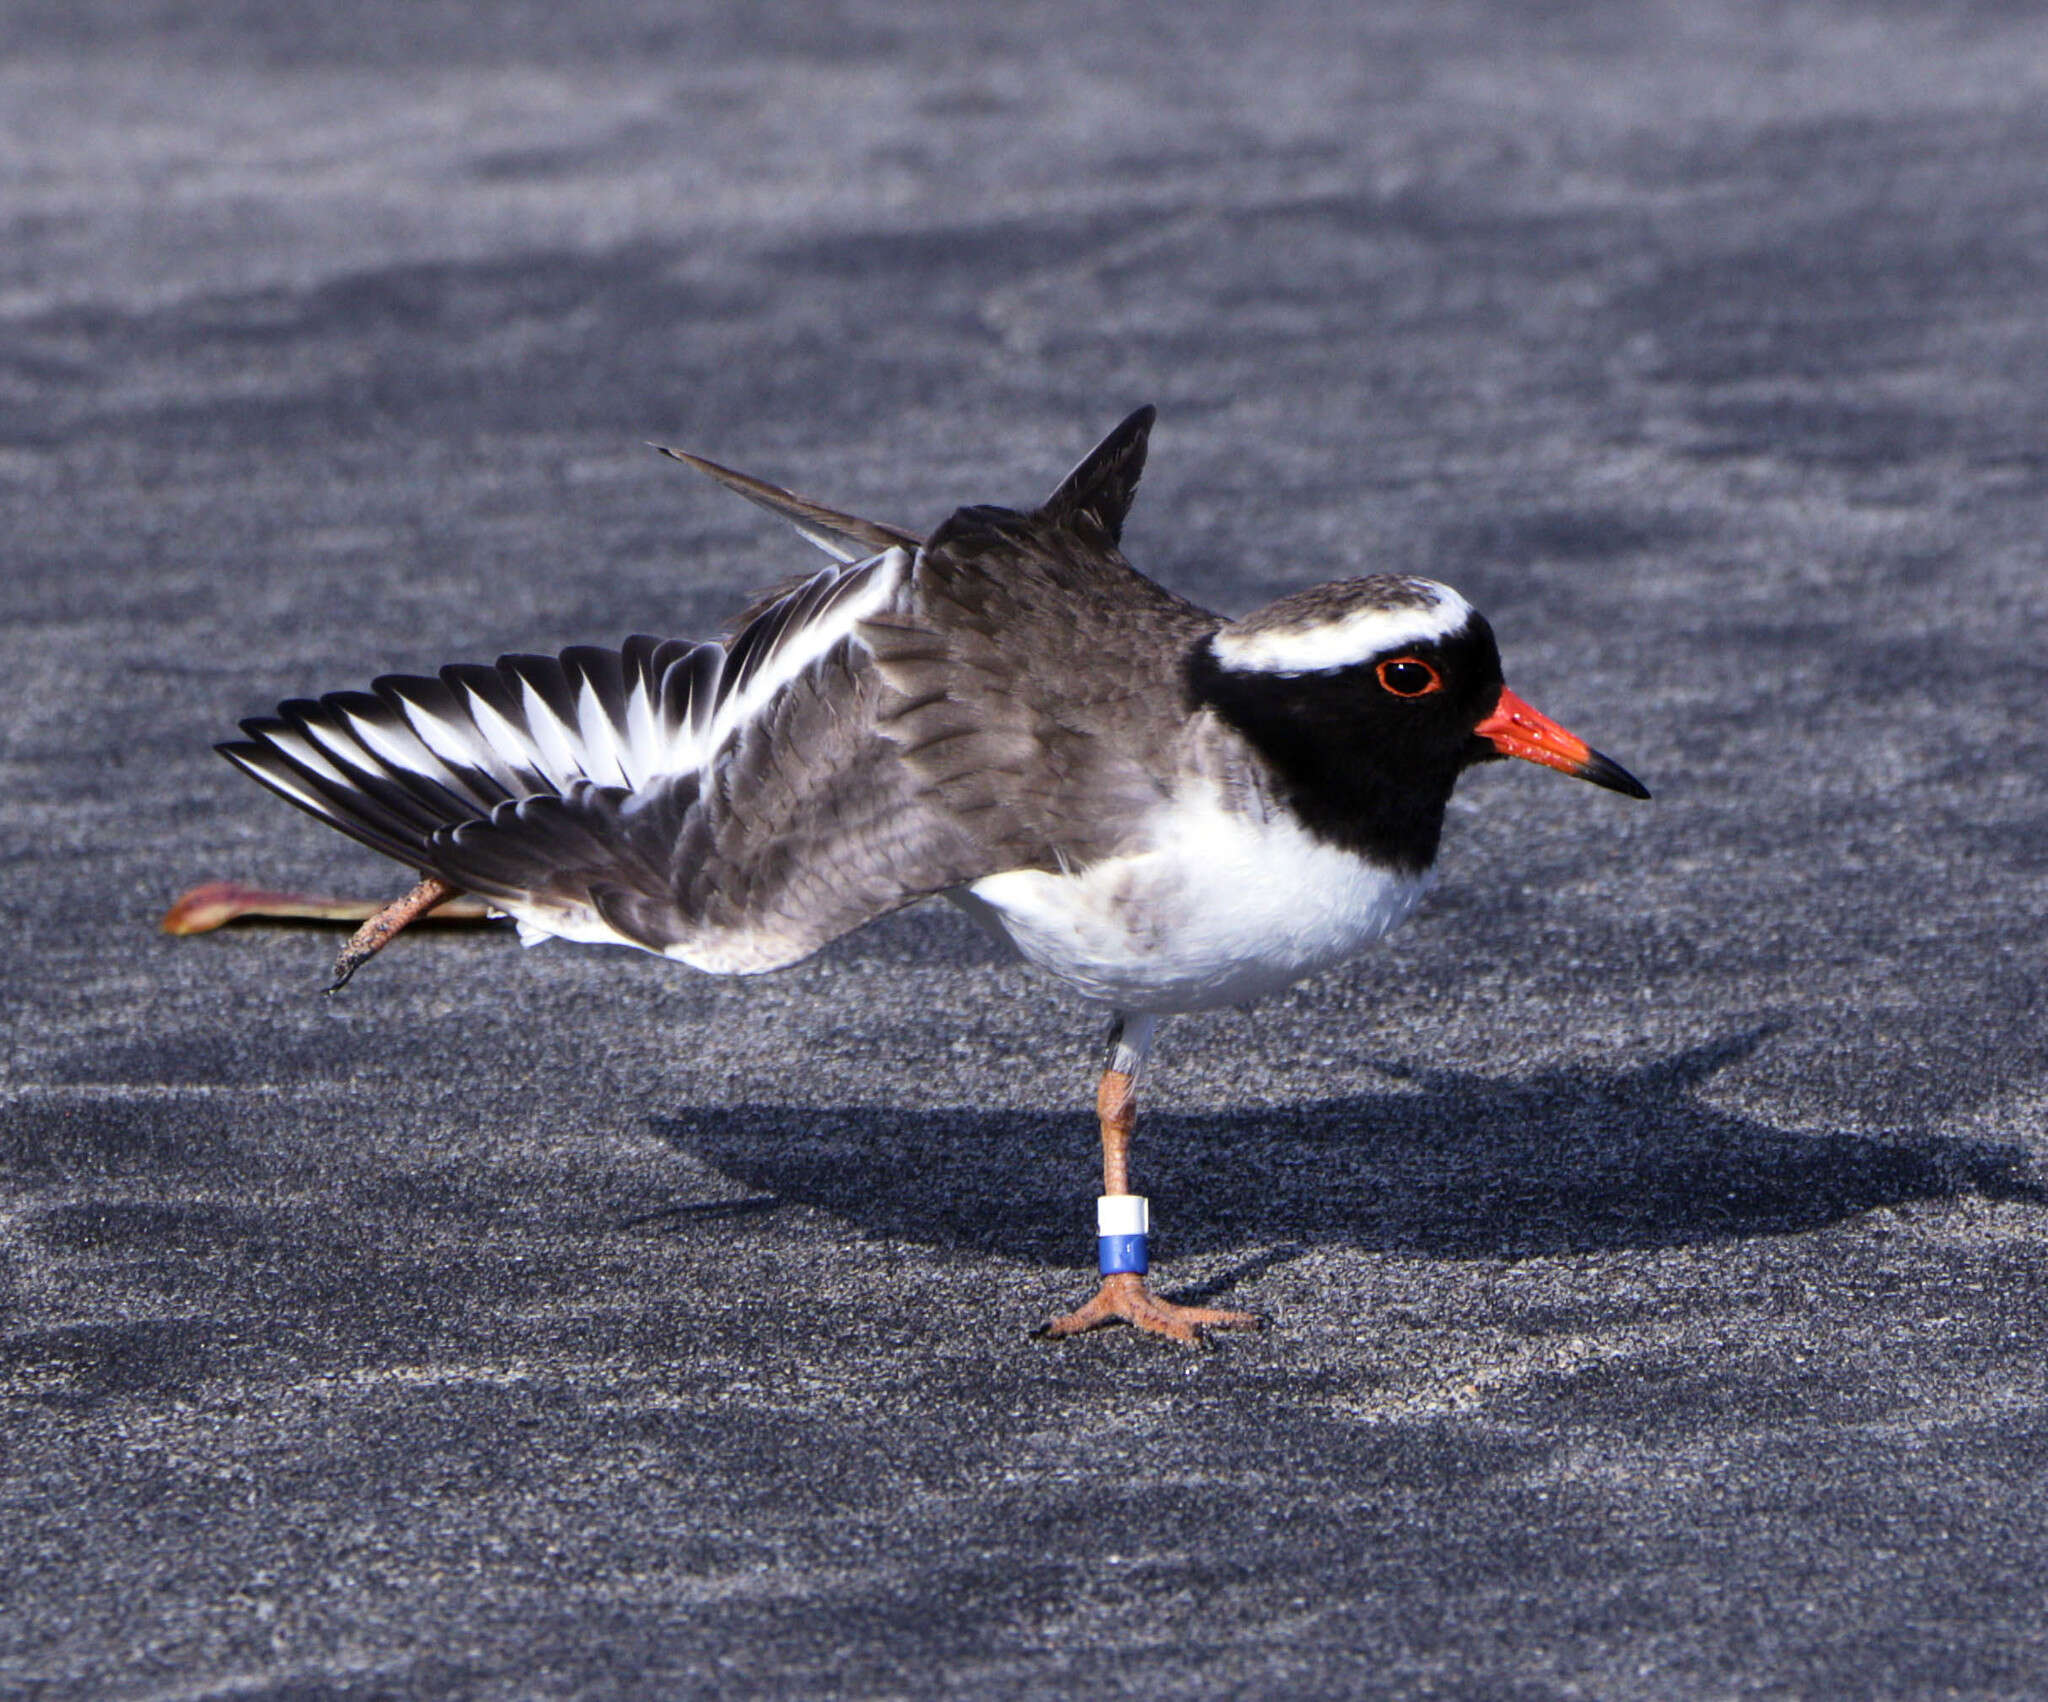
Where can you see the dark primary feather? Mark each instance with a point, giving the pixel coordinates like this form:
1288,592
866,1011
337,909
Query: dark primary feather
395,790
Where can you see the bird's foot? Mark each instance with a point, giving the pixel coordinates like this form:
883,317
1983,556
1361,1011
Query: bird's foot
1125,1298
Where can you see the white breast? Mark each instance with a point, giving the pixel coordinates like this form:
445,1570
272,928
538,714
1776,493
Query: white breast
1223,908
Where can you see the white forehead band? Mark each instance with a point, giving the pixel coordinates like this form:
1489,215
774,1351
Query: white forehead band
1344,642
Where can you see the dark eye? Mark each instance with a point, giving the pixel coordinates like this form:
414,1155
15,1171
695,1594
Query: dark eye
1407,677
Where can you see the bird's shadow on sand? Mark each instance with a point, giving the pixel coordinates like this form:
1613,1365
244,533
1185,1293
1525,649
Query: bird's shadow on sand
1569,1160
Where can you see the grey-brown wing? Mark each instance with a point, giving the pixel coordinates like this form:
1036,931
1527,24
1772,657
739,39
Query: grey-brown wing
1037,685
806,825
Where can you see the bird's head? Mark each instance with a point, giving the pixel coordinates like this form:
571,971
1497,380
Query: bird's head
1369,697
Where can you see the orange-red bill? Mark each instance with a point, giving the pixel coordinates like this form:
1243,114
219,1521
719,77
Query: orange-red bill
1514,729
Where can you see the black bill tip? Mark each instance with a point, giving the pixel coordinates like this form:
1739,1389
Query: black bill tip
1605,771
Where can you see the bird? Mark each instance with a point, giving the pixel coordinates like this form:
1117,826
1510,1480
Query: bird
1166,809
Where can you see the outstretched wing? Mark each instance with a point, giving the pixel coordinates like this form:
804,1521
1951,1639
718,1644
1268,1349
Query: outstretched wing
1009,697
734,806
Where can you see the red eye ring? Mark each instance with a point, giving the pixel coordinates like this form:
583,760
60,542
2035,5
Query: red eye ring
1409,676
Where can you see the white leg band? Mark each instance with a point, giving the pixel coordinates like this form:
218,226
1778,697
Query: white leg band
1123,1214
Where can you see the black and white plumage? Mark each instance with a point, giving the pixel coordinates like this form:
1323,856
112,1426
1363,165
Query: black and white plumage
1168,810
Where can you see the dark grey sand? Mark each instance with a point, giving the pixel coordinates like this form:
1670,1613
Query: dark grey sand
1654,1234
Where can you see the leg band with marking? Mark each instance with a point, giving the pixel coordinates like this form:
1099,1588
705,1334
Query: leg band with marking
1122,1222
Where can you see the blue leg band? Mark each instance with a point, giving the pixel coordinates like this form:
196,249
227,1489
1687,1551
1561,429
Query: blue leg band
1121,1253
1121,1225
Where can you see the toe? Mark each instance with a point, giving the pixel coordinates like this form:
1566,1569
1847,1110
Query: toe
1125,1298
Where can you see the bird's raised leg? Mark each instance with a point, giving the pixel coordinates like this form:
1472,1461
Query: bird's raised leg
1122,1218
384,927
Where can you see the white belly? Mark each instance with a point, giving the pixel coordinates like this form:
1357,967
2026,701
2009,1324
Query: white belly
1226,910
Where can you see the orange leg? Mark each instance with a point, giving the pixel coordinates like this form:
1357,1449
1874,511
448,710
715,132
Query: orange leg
1124,1295
217,903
